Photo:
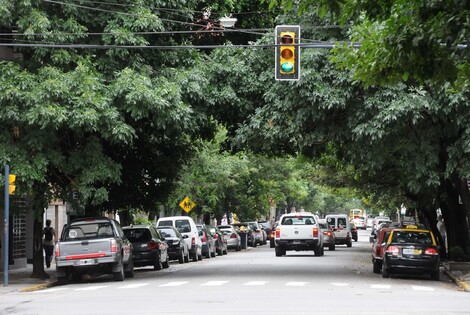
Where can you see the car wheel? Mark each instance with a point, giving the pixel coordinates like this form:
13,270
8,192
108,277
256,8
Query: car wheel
119,276
349,244
385,273
166,263
213,253
186,258
130,268
332,247
377,265
225,251
199,256
195,256
239,248
317,250
158,264
271,244
279,252
181,259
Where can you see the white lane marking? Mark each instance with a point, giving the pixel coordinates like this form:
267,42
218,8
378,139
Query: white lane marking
133,286
174,284
339,284
214,283
93,288
51,290
296,284
421,288
256,283
380,286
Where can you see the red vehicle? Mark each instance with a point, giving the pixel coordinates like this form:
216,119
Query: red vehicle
378,249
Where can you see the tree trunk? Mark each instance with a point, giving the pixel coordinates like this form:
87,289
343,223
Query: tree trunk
39,204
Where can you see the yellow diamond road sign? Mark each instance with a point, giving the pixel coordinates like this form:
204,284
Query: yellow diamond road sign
187,204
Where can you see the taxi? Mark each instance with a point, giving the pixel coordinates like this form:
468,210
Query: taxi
411,250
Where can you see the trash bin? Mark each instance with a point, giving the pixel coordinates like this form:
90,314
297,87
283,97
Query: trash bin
244,240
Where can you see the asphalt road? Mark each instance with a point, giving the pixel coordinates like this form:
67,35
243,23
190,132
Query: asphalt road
253,282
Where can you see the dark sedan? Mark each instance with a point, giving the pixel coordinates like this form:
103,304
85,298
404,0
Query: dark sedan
149,248
411,250
177,247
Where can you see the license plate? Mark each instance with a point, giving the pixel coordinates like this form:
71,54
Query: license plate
84,262
411,251
296,242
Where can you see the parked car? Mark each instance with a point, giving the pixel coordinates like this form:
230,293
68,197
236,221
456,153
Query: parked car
149,247
353,231
231,236
177,247
186,226
378,242
259,236
411,250
267,226
360,223
208,242
341,228
95,245
328,235
250,233
220,242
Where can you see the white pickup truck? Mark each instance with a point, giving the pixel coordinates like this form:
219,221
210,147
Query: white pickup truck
298,231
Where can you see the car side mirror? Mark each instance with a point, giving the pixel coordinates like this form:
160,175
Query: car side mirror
185,236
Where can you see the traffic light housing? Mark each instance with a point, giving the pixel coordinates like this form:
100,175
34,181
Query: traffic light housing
11,184
287,62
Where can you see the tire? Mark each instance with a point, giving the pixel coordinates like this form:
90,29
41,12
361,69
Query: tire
385,273
166,263
62,280
332,247
376,266
129,273
119,276
186,258
213,253
200,257
195,256
349,244
279,252
225,251
271,244
181,258
317,250
239,248
158,264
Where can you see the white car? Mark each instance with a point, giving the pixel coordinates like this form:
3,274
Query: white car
360,223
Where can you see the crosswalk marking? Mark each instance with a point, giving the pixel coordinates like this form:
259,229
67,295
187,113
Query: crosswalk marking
421,288
214,283
255,283
93,288
380,286
133,286
296,284
174,284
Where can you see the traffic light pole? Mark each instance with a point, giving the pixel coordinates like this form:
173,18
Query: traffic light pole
6,229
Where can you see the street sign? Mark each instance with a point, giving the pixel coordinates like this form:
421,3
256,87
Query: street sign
187,204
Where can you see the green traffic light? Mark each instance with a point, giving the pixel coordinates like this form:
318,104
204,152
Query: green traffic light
287,66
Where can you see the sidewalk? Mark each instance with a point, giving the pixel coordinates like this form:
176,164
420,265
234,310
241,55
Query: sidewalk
19,280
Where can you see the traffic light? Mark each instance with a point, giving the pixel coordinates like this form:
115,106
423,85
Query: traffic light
287,63
11,184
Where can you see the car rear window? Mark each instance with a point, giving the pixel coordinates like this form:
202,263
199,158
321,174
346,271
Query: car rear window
412,237
138,235
183,226
167,232
165,223
298,220
90,230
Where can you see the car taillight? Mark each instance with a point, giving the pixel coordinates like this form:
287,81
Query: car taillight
257,231
152,245
315,232
215,236
233,235
393,250
431,251
278,232
113,245
327,233
193,241
57,250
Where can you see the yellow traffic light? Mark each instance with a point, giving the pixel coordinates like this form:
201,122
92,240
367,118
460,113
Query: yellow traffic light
11,184
287,65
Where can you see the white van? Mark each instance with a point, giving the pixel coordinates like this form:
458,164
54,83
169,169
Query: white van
186,226
341,227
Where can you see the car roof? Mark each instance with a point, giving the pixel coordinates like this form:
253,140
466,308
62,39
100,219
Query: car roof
138,226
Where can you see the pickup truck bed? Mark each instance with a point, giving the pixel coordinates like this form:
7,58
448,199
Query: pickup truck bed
298,231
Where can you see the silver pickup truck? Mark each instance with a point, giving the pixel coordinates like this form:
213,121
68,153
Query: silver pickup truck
298,231
93,246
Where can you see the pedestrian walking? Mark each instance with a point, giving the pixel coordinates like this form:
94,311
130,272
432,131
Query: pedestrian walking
48,242
442,230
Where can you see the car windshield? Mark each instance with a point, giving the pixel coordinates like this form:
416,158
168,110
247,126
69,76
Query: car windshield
412,237
298,220
138,235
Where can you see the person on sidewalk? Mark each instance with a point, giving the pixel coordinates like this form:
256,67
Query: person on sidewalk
48,242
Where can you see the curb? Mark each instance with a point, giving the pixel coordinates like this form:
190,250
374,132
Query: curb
38,287
462,284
